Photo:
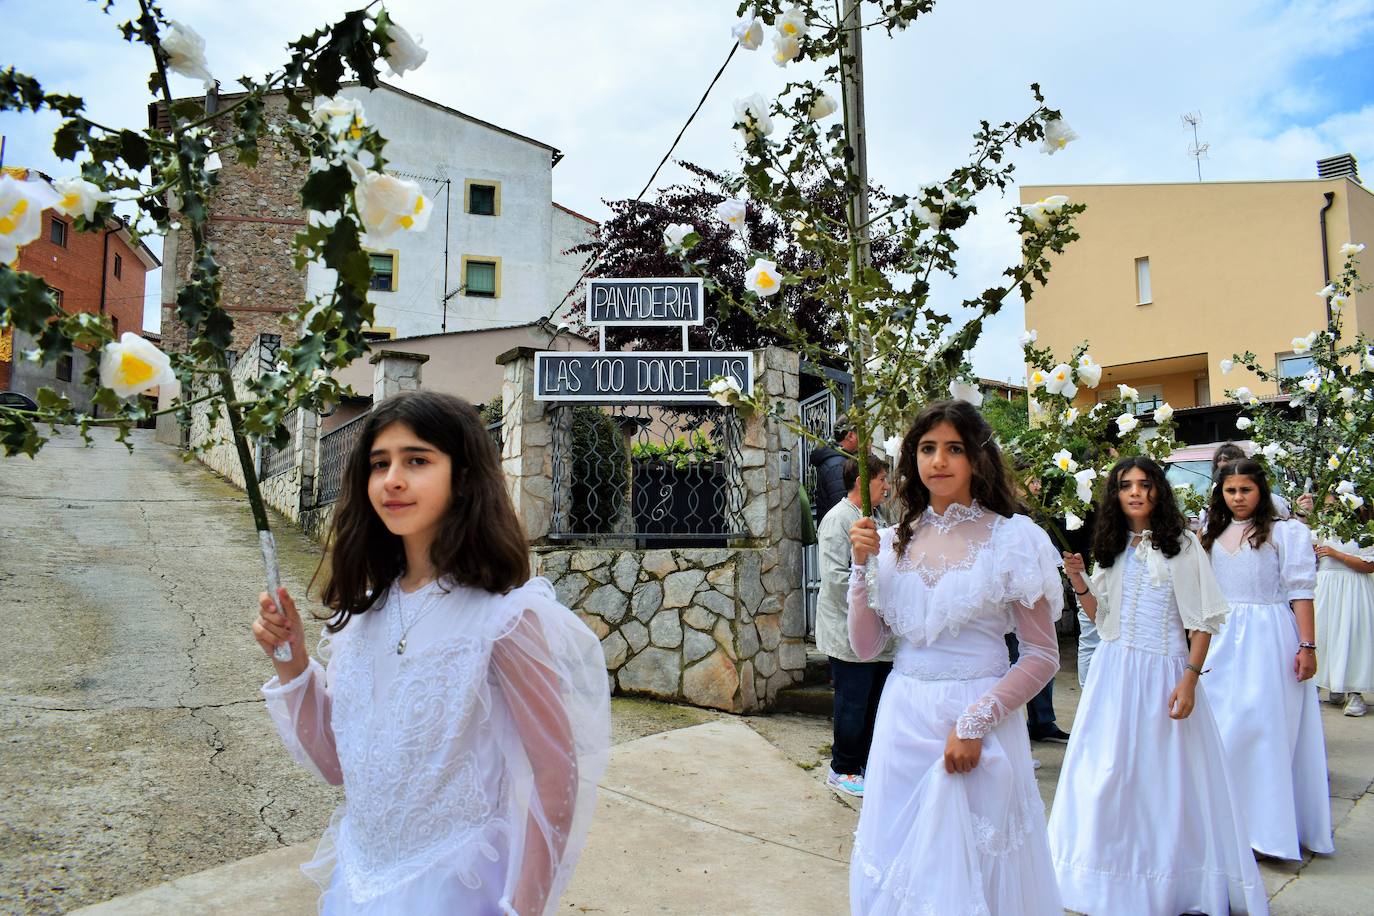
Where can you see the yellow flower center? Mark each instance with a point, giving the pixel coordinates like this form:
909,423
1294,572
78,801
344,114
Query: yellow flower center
788,28
133,370
70,201
765,280
10,221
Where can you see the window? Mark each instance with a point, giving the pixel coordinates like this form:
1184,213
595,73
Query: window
482,197
64,368
1203,391
1142,281
1292,365
378,334
482,277
118,267
57,232
383,271
114,326
56,296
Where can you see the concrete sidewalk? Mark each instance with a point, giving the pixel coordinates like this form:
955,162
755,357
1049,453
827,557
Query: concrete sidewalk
710,818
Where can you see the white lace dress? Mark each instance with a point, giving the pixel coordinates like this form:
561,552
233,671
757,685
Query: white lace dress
1345,622
469,762
931,842
1270,722
1144,818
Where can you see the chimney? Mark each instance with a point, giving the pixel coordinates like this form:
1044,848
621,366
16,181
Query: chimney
1342,166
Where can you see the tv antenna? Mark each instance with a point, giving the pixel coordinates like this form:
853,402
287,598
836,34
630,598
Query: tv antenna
1198,149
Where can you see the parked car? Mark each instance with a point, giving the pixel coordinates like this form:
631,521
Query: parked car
1192,465
17,399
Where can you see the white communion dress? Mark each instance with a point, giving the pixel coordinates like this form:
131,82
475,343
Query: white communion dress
1345,622
931,842
1270,722
469,731
1145,819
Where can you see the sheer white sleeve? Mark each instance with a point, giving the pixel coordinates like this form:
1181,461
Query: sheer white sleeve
550,674
1297,562
300,710
868,632
1038,663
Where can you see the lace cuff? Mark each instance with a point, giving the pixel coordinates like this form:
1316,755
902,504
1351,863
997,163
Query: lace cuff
980,719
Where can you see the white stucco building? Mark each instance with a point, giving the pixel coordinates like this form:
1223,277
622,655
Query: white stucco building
492,255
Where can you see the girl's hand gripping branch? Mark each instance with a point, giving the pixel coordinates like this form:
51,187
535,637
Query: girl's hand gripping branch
278,624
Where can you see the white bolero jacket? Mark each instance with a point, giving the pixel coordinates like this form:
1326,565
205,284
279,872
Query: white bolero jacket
1201,604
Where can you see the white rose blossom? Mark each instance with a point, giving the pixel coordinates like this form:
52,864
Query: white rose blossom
1350,249
1088,372
1072,522
823,107
732,211
1242,393
185,51
925,215
1303,344
724,391
1345,486
751,114
763,278
1164,413
675,233
1351,501
1040,211
21,213
403,51
963,391
1273,451
1063,459
1084,482
1127,393
1347,395
388,204
1070,416
78,197
1338,302
1369,362
1244,423
1058,134
1310,383
1027,338
1227,365
133,365
792,23
1126,423
1036,379
785,49
1326,291
748,31
1061,382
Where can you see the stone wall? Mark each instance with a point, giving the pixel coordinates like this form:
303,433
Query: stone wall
717,627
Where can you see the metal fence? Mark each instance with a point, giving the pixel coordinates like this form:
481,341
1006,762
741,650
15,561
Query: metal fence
335,448
649,473
280,460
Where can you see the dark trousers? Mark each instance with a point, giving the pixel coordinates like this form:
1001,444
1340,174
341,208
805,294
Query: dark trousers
1040,709
858,686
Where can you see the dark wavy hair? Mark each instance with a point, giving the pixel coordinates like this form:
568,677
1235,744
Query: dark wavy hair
1219,513
480,543
1111,532
991,484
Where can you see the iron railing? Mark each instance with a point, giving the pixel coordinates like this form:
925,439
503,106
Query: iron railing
280,460
335,448
647,473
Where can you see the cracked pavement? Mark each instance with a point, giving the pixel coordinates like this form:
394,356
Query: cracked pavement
136,746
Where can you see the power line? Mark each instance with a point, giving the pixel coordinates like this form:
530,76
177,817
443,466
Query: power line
734,46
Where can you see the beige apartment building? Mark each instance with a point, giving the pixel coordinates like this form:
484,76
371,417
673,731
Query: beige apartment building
1169,279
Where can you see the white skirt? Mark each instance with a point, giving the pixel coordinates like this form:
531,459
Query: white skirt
1345,631
1271,728
931,842
1144,821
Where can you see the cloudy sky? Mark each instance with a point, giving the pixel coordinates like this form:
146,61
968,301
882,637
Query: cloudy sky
609,82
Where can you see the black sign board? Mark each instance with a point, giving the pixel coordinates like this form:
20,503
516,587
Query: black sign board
630,376
644,301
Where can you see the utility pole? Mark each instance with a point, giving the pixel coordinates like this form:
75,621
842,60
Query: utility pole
853,82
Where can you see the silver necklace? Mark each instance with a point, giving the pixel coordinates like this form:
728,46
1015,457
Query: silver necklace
428,606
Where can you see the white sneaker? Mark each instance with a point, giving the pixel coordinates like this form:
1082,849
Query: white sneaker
1334,697
1035,763
1355,705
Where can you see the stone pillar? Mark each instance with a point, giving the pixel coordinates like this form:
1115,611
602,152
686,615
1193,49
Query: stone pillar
307,437
395,372
526,446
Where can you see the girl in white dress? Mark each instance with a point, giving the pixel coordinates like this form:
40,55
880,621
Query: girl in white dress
952,821
464,710
1145,820
1345,622
1263,661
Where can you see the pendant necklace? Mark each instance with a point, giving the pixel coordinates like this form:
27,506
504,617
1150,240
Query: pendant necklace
428,606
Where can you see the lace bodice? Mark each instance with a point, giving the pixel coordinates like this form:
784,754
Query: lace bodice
966,579
486,727
1150,621
1281,570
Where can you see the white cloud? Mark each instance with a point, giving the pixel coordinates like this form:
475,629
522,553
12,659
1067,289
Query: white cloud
612,100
